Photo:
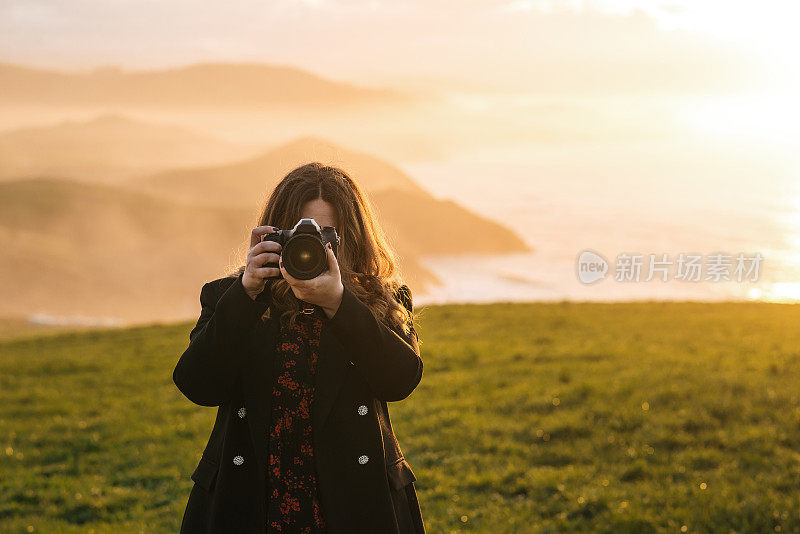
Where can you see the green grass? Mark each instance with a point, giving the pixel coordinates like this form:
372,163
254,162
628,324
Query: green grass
566,417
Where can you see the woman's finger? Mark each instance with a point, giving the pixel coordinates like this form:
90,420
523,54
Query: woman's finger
333,263
288,277
257,232
266,246
260,260
266,272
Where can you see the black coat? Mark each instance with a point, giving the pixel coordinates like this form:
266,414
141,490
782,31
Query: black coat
365,483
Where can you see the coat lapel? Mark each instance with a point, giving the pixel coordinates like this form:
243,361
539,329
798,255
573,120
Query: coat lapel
257,382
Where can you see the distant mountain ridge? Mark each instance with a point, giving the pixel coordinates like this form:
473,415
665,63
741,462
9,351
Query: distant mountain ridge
245,182
216,85
419,222
107,147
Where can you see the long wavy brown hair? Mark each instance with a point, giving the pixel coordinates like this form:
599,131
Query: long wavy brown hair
367,263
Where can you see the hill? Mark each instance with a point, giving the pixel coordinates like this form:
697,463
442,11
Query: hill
107,148
420,223
247,182
76,248
202,85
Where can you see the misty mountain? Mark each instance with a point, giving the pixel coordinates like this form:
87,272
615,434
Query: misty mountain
246,182
429,225
201,85
106,148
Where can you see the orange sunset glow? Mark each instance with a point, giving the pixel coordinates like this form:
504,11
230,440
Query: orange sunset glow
538,128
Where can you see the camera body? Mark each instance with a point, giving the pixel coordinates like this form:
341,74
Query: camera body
303,248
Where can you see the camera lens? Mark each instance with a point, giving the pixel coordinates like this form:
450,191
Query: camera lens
304,257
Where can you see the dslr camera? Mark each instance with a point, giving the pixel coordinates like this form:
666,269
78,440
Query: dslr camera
303,248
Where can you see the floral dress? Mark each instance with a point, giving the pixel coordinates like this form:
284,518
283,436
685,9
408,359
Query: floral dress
293,502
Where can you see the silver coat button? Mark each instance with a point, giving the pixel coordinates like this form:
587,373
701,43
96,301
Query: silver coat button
238,460
363,459
242,412
362,410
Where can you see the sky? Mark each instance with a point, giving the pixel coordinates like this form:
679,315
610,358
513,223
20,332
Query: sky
516,45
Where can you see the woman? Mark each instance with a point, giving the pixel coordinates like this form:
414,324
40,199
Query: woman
301,372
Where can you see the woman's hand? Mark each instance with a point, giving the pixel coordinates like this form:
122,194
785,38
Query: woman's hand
261,252
325,290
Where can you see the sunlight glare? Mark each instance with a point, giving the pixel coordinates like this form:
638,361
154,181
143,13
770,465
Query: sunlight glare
783,292
773,117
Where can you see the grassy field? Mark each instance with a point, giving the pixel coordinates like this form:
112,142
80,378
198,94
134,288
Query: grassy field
566,417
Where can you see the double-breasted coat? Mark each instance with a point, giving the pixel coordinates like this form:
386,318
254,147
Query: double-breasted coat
365,483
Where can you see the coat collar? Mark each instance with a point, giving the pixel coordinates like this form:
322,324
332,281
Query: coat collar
257,382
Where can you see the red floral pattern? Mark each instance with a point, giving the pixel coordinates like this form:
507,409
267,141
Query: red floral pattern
293,504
